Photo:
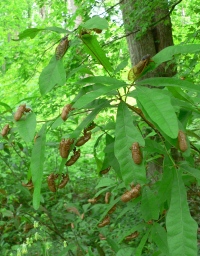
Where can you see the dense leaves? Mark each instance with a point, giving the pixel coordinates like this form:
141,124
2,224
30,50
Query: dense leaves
123,185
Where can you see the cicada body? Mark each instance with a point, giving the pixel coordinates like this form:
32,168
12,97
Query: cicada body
137,70
62,48
182,141
65,179
104,222
136,153
5,130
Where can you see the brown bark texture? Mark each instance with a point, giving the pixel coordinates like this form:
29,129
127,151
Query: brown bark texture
149,37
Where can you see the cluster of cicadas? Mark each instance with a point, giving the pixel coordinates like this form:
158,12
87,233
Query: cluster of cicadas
22,109
127,196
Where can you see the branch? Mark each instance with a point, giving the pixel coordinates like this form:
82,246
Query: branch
150,26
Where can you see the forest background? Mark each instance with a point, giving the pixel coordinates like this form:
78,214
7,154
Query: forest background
134,189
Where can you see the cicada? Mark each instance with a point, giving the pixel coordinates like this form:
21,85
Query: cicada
62,48
63,183
104,222
51,181
137,70
64,147
83,139
107,197
136,153
73,158
65,112
5,130
133,193
182,141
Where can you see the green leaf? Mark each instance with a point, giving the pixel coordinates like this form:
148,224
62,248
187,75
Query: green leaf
82,70
113,244
168,52
27,127
88,119
30,32
159,237
165,185
142,244
37,162
105,182
52,75
110,158
159,108
92,95
125,135
149,205
192,171
93,48
181,227
128,251
95,22
6,106
170,81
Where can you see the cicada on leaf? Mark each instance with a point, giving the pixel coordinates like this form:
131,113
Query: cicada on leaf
137,70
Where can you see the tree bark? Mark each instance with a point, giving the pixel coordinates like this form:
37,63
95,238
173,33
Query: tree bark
154,38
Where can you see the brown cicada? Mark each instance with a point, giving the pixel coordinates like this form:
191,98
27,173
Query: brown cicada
62,48
182,141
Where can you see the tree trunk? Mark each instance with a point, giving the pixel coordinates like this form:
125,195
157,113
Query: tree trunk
149,31
145,36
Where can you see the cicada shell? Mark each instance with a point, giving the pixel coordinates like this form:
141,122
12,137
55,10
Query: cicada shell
65,112
73,158
137,70
91,126
65,147
5,130
182,141
127,196
104,222
136,153
135,191
132,236
107,197
83,139
51,181
65,179
93,200
105,170
112,209
20,111
28,185
62,48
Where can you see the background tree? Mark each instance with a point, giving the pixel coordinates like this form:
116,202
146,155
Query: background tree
73,159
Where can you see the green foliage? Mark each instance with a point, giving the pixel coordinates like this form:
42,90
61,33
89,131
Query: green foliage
155,217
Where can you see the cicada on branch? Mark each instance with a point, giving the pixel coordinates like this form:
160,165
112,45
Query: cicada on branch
51,181
65,112
65,147
20,111
62,48
5,130
73,158
133,193
64,181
